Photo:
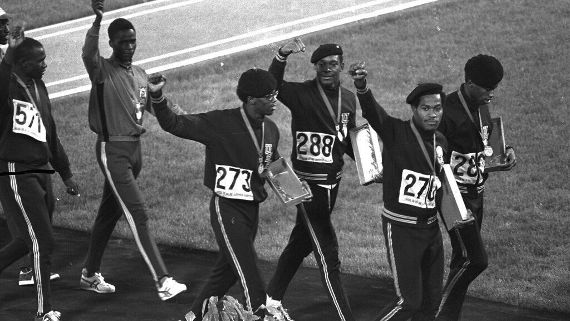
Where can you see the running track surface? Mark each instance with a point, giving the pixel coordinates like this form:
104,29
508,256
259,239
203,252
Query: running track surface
136,297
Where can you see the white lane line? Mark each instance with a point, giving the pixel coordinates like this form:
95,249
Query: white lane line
238,37
108,21
90,18
262,42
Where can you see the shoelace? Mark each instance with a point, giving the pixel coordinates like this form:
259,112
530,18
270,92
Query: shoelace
284,313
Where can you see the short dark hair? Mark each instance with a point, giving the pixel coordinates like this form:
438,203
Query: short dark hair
117,25
25,49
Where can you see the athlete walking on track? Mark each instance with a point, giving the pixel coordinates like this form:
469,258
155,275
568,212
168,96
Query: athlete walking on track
467,125
117,104
240,143
412,156
322,113
30,150
26,276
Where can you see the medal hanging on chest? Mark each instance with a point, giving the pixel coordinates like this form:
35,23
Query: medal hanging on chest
336,119
140,103
260,162
261,166
484,132
488,150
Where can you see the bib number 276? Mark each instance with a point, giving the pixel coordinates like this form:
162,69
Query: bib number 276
233,182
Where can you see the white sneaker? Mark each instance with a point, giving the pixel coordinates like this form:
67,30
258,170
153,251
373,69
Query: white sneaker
50,316
95,283
274,311
169,288
190,316
27,277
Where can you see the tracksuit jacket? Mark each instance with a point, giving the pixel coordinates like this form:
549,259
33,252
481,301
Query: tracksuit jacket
228,143
465,143
28,154
310,115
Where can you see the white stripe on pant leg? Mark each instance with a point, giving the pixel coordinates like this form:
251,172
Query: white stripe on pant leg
325,267
35,245
233,255
390,249
128,214
458,275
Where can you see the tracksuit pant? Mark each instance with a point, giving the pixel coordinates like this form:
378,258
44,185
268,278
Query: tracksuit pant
415,255
314,232
121,163
50,200
235,226
27,200
468,260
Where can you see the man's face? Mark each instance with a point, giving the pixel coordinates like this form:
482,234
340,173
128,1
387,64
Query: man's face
124,44
328,71
478,94
428,113
4,31
266,105
35,66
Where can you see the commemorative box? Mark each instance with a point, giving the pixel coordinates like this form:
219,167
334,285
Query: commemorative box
285,183
453,210
367,154
497,143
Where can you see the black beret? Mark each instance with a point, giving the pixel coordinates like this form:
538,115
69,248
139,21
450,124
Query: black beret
326,50
484,71
255,83
422,90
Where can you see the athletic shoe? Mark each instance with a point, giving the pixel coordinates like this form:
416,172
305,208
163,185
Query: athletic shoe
95,283
274,311
190,316
27,277
169,288
50,316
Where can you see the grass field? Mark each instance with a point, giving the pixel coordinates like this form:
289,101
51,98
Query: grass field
526,217
38,13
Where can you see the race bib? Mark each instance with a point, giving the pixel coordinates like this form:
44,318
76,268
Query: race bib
468,168
233,182
315,147
28,121
418,189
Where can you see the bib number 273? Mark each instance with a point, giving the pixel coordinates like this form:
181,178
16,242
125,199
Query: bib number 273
315,147
233,182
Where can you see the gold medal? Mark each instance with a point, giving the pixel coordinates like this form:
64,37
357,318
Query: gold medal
488,151
260,169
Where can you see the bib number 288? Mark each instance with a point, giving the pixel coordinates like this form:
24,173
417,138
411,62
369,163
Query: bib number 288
315,147
233,182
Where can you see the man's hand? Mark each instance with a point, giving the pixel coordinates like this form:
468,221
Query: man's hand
511,160
98,8
293,46
155,83
72,187
16,36
358,74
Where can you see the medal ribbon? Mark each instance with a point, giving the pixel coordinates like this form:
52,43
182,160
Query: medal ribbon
32,100
336,120
464,104
423,147
252,134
